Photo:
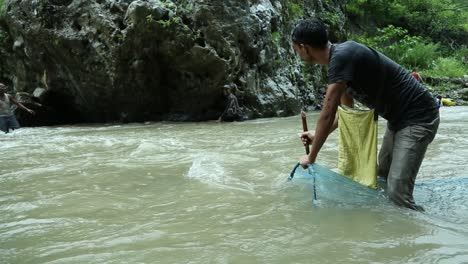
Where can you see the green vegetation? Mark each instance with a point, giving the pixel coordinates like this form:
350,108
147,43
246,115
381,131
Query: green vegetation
295,10
1,6
416,53
441,20
410,51
149,18
331,18
276,38
3,37
425,35
447,67
3,34
175,20
292,9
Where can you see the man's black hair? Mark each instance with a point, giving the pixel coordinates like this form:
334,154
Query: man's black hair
311,32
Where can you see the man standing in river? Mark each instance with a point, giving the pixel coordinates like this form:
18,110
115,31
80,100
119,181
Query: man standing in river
359,72
7,117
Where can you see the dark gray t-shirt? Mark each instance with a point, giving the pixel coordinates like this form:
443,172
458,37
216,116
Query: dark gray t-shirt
381,84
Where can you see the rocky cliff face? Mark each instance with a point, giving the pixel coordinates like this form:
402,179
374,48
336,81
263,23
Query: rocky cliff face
124,60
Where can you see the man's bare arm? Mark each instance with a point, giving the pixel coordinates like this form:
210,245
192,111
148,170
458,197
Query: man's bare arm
307,138
326,118
12,99
346,99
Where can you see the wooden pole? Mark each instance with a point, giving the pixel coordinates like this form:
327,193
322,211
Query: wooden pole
304,128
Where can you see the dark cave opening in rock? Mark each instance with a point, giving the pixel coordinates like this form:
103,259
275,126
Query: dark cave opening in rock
59,108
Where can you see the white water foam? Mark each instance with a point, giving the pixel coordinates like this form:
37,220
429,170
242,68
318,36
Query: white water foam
207,168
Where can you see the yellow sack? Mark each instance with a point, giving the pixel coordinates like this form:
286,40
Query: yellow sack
448,102
358,145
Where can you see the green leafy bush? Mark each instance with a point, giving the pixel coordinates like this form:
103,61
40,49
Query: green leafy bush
416,53
447,67
413,52
462,53
441,20
295,10
276,38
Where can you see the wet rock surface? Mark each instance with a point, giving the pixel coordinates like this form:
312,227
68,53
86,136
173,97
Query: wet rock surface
133,61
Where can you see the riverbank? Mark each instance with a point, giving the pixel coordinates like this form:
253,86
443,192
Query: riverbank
453,88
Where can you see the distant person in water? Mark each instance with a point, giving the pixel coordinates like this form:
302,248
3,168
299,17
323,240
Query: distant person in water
232,111
417,76
356,71
439,101
7,117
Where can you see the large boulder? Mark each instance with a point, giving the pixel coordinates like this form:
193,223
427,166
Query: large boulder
123,60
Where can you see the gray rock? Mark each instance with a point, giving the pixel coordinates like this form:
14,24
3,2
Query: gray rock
19,43
114,60
464,94
38,92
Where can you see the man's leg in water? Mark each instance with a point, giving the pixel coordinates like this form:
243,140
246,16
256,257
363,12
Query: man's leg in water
409,148
385,154
12,122
4,124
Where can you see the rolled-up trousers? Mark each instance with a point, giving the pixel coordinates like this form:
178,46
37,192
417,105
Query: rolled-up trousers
400,158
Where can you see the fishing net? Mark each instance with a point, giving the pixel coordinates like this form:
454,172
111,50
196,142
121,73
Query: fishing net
331,187
444,197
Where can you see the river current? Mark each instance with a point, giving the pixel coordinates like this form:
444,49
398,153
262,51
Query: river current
213,193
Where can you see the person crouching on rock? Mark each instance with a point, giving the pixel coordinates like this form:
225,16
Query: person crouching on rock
232,111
